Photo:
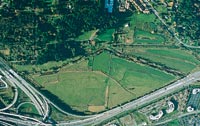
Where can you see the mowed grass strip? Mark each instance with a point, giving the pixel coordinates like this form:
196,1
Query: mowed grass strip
78,89
178,59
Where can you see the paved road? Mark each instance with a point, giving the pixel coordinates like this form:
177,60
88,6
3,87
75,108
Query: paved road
14,78
21,120
5,84
15,95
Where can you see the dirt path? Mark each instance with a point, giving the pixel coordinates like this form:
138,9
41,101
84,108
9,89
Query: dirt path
93,35
106,96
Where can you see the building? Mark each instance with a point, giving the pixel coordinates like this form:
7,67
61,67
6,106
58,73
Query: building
109,5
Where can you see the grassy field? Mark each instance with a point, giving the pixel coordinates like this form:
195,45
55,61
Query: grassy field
102,62
78,89
106,35
121,80
117,95
129,74
84,89
81,88
178,59
147,37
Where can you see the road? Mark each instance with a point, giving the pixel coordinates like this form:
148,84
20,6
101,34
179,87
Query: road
15,94
21,120
5,84
15,79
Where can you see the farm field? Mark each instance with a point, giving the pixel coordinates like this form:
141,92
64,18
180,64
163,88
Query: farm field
178,59
102,62
112,82
77,89
129,74
83,89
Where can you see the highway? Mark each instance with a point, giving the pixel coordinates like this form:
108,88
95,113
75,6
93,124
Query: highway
14,78
15,95
5,84
21,120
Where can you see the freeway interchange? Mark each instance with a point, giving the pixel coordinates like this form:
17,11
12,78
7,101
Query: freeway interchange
42,103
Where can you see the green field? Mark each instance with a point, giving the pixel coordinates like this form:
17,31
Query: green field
129,75
147,37
106,35
178,59
117,95
102,62
80,88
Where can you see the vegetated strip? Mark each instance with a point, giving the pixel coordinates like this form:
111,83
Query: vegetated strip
148,62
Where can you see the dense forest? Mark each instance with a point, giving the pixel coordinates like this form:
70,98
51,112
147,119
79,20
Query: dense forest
37,31
188,19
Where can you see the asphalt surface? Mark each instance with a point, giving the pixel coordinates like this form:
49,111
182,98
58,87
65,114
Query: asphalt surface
15,79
